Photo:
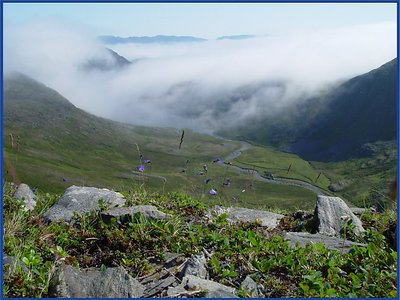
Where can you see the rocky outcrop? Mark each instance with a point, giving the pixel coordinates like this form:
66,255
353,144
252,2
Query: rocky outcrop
191,284
124,214
250,286
196,266
24,193
240,214
331,214
333,243
80,200
220,294
111,283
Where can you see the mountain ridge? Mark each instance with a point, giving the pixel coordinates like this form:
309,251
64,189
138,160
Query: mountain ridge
110,39
359,111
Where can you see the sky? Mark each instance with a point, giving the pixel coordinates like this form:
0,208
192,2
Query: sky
207,20
299,51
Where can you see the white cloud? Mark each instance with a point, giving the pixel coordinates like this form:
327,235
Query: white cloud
200,85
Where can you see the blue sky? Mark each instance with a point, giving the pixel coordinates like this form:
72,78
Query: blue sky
208,20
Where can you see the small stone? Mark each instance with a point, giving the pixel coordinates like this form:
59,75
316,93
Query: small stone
196,265
250,286
24,192
158,286
220,294
191,282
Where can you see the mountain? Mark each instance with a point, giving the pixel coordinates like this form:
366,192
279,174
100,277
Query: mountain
114,62
159,39
361,110
333,125
236,37
50,144
60,141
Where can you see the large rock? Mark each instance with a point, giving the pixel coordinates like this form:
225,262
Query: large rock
24,193
240,214
123,214
330,242
111,283
196,265
81,200
330,216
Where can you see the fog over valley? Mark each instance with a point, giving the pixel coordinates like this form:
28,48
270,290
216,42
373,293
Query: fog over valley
206,86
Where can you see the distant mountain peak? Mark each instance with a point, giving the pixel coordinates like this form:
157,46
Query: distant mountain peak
158,39
117,62
236,37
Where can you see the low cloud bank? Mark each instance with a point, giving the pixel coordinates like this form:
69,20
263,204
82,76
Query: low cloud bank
204,86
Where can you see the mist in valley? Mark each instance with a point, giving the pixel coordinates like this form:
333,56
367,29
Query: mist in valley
207,86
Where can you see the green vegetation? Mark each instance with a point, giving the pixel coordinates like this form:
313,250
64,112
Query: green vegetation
267,160
61,145
367,181
237,250
332,125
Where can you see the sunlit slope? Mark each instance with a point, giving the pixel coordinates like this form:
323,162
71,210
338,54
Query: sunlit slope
61,145
84,148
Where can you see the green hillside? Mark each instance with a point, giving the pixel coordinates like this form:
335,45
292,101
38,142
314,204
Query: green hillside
334,124
61,145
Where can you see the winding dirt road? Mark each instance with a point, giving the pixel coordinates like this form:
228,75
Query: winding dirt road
278,180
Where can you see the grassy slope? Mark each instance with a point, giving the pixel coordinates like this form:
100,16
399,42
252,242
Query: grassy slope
267,159
58,141
369,178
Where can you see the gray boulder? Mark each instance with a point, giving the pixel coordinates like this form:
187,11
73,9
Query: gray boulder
250,286
220,294
330,242
111,283
196,265
159,286
173,292
81,200
191,282
240,214
330,216
24,192
123,214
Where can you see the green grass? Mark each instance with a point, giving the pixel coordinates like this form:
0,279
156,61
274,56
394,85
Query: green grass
370,178
58,140
238,250
267,159
109,158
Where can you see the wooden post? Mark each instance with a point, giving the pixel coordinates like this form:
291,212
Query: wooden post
289,169
318,176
